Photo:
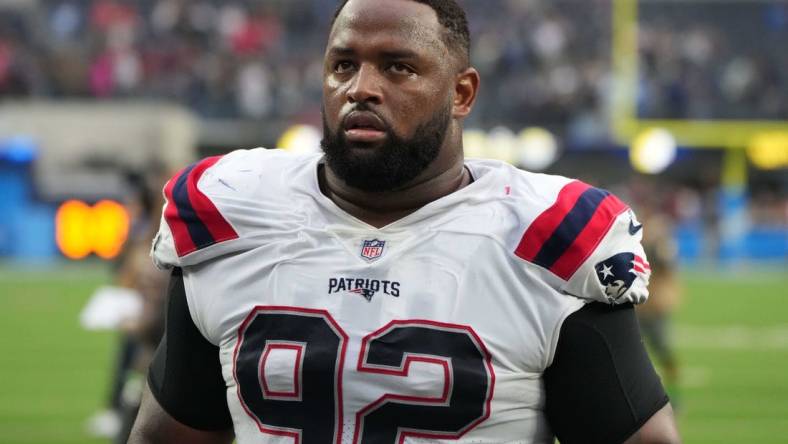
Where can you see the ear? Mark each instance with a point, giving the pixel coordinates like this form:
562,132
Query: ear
466,87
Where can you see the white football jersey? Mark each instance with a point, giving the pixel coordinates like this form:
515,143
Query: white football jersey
435,328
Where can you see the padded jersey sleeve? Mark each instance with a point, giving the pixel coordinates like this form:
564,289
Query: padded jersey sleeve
185,375
590,240
191,221
601,386
227,205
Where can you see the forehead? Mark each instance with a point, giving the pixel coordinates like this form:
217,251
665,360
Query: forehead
368,24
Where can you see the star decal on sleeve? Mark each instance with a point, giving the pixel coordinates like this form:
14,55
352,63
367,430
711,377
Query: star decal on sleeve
606,271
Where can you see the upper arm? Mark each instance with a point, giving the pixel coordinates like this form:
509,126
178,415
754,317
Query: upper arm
154,425
186,392
601,387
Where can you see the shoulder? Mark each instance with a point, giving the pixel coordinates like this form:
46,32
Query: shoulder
213,204
240,171
584,237
566,224
190,214
548,220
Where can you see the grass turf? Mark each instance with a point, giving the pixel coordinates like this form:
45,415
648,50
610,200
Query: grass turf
53,374
732,336
732,333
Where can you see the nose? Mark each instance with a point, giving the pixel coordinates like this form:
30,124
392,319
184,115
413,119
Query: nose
366,86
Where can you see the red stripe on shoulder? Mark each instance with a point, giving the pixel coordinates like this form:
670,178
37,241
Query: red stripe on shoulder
590,237
179,229
206,211
546,223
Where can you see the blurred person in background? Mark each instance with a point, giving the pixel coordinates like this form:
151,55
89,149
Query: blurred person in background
146,329
139,334
665,292
392,248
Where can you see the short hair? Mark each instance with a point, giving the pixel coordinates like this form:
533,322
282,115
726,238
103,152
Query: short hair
451,16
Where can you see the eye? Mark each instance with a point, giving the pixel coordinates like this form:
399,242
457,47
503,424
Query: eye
343,66
402,69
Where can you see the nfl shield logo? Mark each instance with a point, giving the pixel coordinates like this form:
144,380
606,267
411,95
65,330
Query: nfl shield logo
372,249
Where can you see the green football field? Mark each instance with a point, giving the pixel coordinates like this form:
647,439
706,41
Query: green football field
732,334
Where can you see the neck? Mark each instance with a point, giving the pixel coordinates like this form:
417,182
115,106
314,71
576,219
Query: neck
382,208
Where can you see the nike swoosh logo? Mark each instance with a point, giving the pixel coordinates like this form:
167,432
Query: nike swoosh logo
633,229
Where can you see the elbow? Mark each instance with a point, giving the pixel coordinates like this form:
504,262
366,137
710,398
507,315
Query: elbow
659,429
665,435
665,438
661,440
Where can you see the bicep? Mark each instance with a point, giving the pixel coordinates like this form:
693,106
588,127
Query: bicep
154,425
601,386
186,390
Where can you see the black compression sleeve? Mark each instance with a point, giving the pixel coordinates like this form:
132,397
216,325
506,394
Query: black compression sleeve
185,376
601,387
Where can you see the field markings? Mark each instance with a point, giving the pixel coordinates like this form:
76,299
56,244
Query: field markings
736,337
695,377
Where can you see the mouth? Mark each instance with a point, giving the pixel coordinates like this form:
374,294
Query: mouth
364,127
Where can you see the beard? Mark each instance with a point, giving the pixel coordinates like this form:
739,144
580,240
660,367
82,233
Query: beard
392,164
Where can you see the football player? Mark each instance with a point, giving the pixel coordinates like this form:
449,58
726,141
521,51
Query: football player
389,291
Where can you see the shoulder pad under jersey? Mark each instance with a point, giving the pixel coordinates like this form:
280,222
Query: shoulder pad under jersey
190,220
221,205
591,241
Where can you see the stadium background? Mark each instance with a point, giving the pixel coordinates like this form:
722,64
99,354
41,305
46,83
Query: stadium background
676,105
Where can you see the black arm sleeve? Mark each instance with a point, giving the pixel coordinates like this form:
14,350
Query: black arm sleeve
601,387
185,376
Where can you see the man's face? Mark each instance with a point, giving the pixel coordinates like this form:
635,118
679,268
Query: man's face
387,93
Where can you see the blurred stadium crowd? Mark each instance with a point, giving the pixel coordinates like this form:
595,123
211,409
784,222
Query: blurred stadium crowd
714,63
544,63
255,59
